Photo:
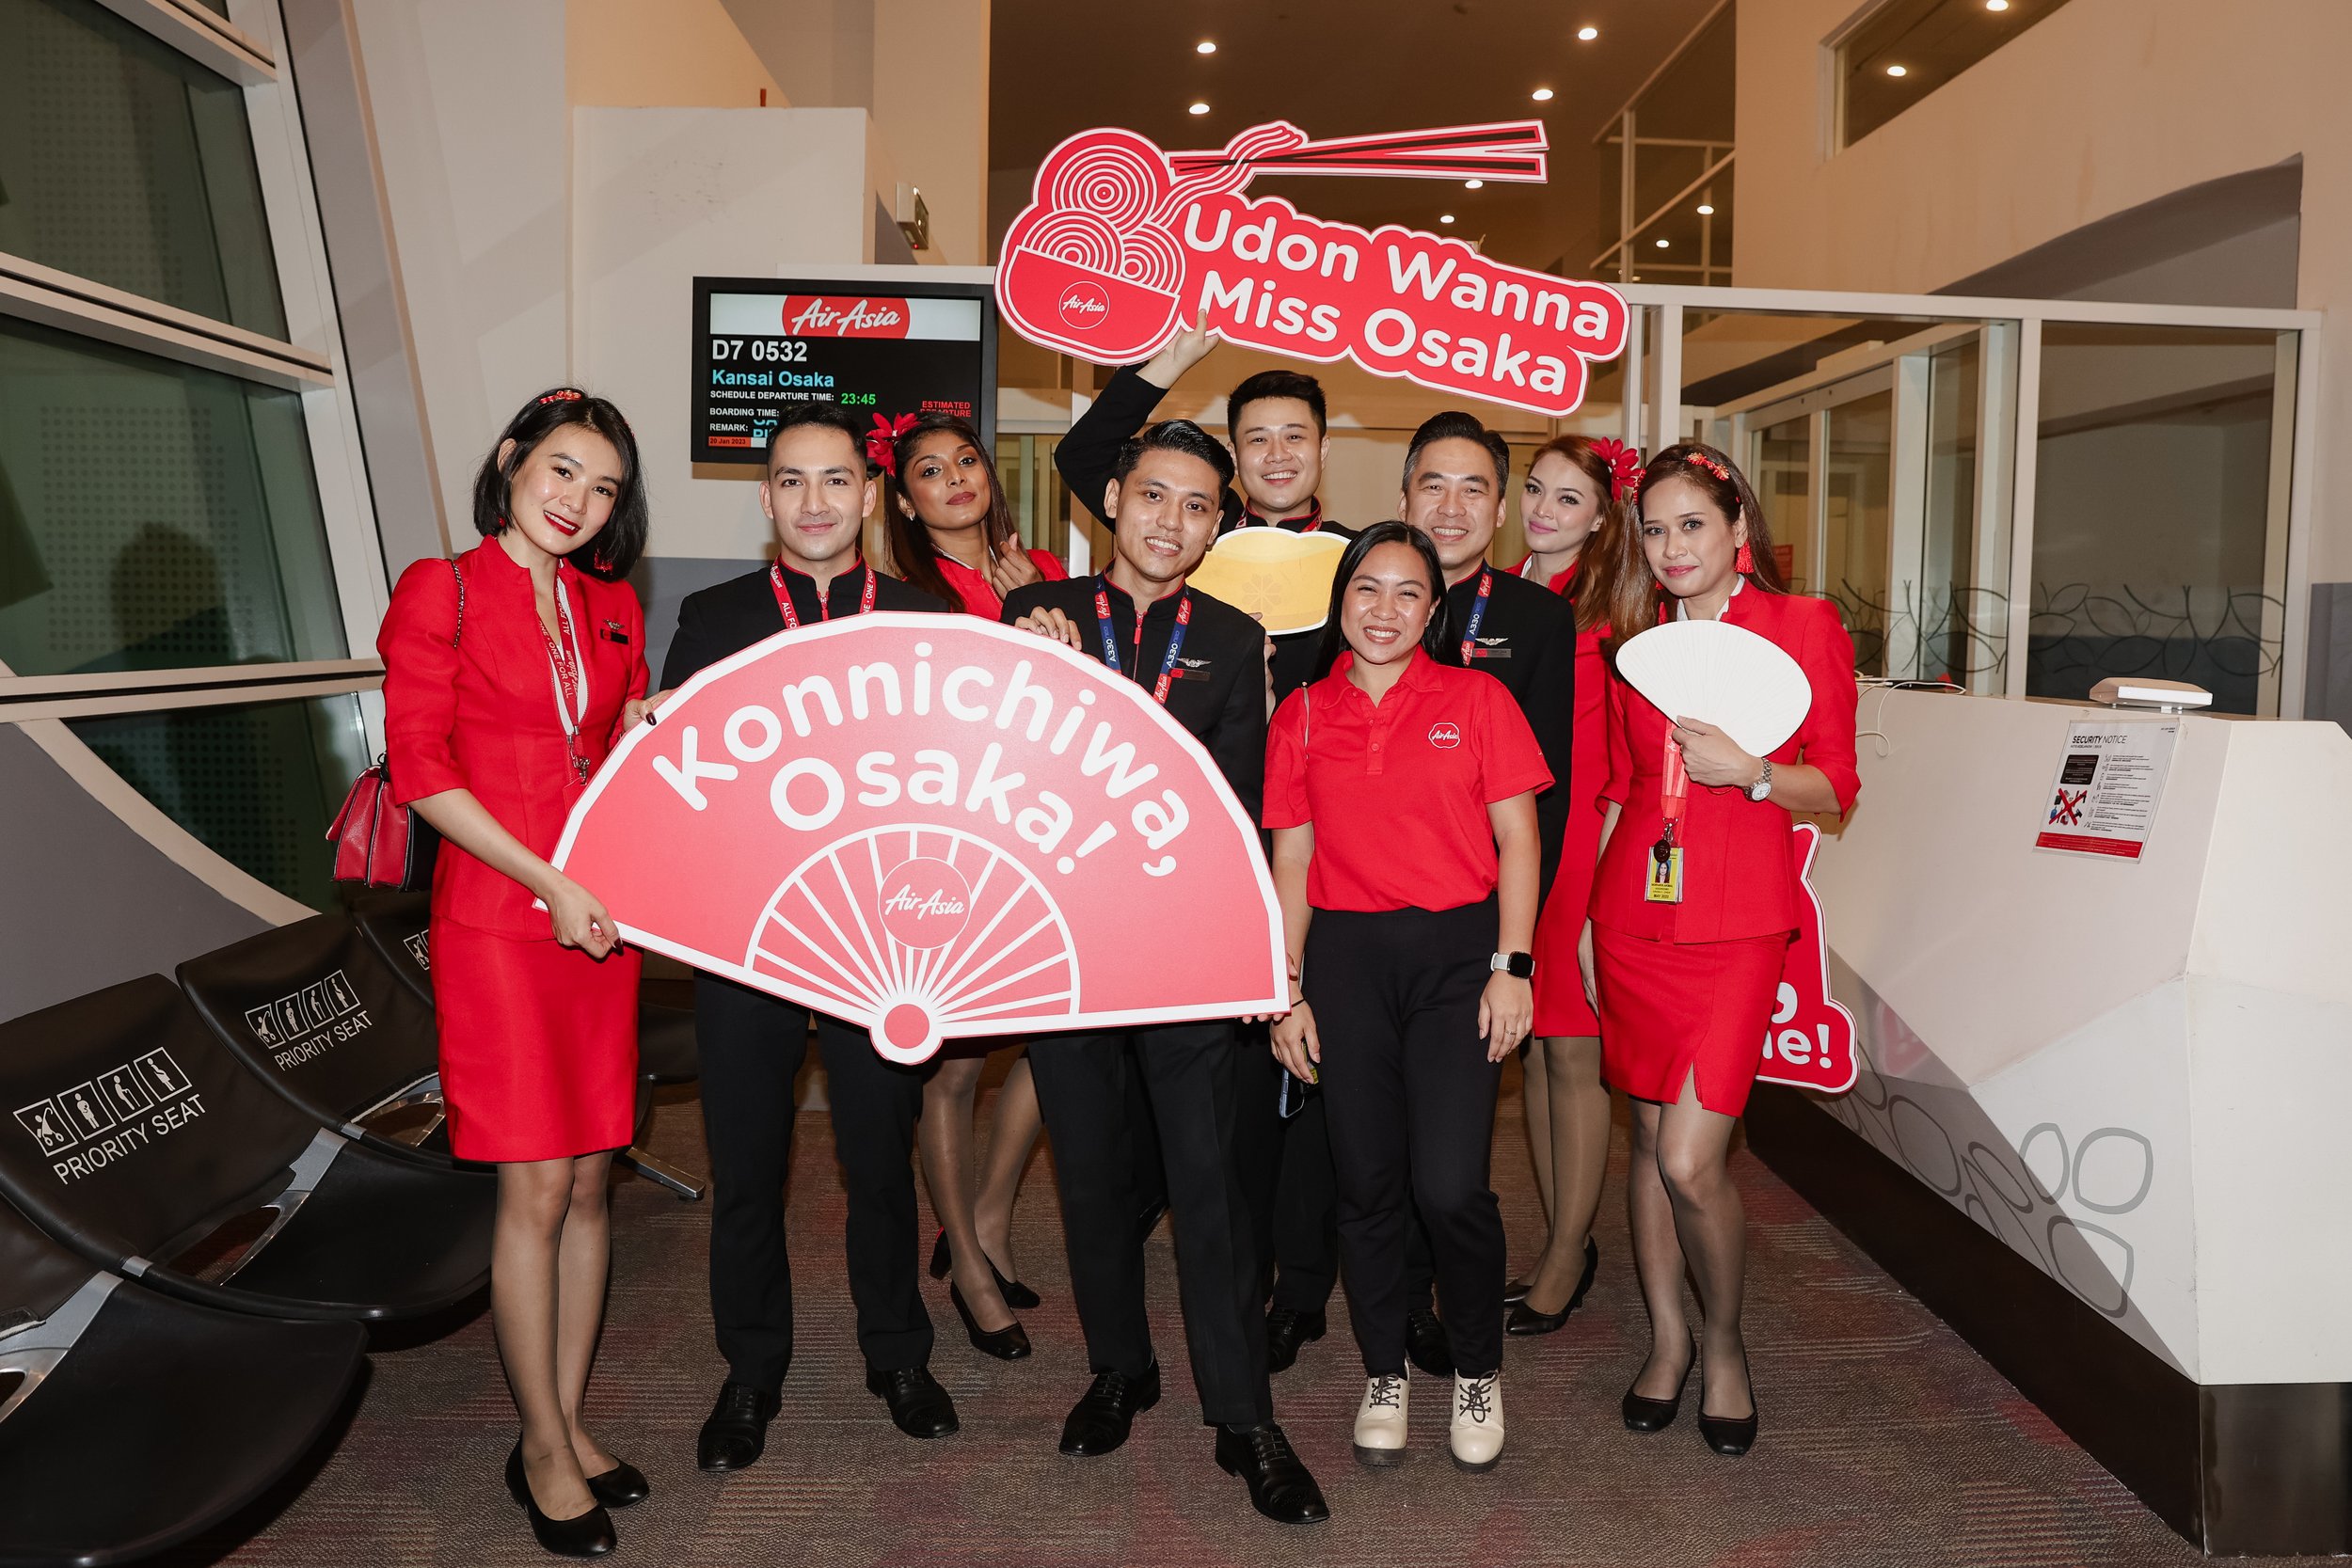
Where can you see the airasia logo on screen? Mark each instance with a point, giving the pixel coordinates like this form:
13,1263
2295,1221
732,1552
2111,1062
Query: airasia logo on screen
1121,243
934,827
831,316
1809,1043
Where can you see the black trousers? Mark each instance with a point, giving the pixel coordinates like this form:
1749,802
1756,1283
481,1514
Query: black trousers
1410,1099
1294,1196
1190,1074
752,1045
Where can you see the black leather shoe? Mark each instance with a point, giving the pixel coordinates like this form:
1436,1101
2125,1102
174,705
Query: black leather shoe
1106,1412
1727,1436
736,1433
919,1405
1005,1344
1280,1485
1515,1291
1645,1414
1017,1295
1427,1344
588,1534
1526,1320
1286,1329
621,1486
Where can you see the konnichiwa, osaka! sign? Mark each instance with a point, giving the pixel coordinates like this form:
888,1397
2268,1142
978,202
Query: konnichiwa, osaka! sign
1122,242
934,827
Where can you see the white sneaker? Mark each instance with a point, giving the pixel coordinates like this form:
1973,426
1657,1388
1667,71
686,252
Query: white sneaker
1380,1422
1476,1438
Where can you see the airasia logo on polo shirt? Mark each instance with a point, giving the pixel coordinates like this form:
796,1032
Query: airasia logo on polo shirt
1445,737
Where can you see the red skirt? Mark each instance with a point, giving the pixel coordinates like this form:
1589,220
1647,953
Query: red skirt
538,1045
1670,1010
1562,1010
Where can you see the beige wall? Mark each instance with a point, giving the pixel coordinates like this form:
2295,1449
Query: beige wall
931,108
2102,106
678,53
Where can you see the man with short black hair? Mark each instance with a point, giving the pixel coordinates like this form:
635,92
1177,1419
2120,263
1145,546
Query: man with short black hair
1204,661
817,493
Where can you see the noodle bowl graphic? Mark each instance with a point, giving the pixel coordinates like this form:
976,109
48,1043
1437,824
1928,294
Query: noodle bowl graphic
932,926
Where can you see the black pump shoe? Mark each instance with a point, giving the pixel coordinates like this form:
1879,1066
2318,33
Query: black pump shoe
1281,1486
1427,1344
1526,1320
1017,1295
1515,1291
1645,1414
621,1486
1005,1344
1106,1412
1730,1436
588,1534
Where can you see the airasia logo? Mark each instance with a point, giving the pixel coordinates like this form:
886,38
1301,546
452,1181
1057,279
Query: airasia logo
1084,306
1444,736
831,316
925,903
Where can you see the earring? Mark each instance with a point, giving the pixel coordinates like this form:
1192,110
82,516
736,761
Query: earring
1745,562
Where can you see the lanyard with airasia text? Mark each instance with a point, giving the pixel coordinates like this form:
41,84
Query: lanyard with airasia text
1110,644
1665,856
1478,611
824,603
571,681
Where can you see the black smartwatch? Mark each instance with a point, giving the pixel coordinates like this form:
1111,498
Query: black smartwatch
1520,966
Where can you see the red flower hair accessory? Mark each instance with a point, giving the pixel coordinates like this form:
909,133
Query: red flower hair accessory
562,394
1624,467
1700,460
882,442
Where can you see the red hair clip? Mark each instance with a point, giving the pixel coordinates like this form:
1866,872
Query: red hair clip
1700,459
882,442
1624,467
562,394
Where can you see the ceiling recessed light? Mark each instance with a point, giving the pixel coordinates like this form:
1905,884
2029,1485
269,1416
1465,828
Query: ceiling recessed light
1707,209
1541,95
1663,243
1445,218
1589,34
1996,4
1473,185
1898,70
1206,46
1200,109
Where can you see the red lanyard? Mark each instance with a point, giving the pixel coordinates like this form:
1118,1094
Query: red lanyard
1674,790
824,598
571,682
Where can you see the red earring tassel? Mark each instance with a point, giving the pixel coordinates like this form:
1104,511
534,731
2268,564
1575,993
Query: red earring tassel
1745,564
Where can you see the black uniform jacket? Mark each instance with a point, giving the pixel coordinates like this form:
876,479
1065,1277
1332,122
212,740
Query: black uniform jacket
1527,641
1087,455
1218,692
730,616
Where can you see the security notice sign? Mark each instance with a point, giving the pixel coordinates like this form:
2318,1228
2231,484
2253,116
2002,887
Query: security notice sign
2110,779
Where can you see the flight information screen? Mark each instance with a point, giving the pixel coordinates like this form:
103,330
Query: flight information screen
896,348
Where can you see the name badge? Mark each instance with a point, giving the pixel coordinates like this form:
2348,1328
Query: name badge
1665,875
610,631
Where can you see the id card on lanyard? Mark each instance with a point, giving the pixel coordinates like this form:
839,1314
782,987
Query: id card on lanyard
1665,856
569,670
1478,611
824,604
1110,644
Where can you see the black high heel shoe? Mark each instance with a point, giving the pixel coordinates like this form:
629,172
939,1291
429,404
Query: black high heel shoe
1728,1436
588,1534
1645,1414
1515,1291
1005,1344
1017,1295
1524,1319
621,1486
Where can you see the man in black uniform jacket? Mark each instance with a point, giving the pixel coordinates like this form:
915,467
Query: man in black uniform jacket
1204,660
1277,425
818,493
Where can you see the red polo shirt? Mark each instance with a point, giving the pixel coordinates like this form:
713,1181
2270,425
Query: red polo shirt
1397,790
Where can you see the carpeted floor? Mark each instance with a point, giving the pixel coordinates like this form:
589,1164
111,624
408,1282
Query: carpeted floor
1886,1439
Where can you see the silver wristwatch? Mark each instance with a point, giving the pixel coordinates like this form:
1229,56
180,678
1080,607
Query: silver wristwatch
1763,785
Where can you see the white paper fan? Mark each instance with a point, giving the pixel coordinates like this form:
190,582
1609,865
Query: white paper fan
1724,674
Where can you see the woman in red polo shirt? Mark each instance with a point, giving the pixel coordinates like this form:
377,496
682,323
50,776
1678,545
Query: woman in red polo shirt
1686,983
1401,789
952,535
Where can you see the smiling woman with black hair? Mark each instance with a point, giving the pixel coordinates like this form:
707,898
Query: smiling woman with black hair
1401,789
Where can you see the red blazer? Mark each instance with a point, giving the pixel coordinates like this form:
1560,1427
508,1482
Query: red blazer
480,715
977,594
1740,873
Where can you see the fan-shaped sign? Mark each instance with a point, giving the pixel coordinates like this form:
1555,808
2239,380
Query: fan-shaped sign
936,827
1810,1042
1721,674
1280,578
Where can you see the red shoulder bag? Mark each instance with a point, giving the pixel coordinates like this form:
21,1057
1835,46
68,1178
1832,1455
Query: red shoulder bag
378,841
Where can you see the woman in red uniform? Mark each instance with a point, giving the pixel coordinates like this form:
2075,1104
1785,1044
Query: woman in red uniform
1401,789
1686,986
507,676
1571,510
952,535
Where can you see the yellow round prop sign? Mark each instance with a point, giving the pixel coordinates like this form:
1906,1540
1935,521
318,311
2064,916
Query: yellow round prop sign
1283,578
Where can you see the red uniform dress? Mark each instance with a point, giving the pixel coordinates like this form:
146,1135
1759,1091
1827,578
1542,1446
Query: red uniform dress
976,595
1562,1010
538,1041
1689,987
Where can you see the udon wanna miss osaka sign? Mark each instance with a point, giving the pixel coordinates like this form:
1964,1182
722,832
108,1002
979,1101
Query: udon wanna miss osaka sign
1122,243
934,827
